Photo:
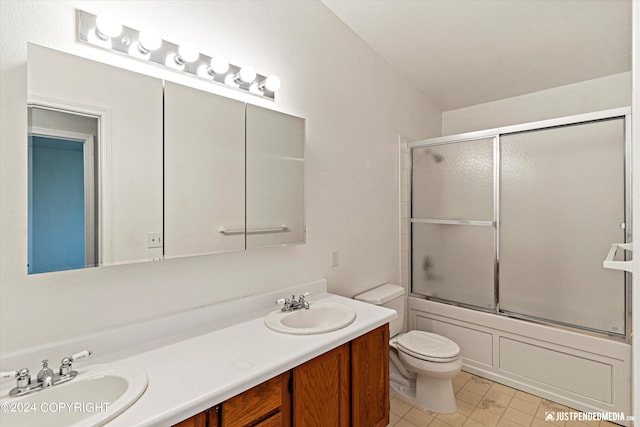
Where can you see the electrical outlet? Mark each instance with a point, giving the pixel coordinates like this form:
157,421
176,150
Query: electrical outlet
335,258
154,240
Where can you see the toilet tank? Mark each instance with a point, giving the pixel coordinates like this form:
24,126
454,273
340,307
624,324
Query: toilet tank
389,296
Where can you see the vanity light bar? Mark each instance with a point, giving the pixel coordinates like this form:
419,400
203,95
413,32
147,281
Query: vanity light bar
146,45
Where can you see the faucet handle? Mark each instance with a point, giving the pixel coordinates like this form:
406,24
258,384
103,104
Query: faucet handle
84,354
24,379
8,374
65,363
14,374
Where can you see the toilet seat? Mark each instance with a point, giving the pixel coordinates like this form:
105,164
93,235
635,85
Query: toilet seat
428,346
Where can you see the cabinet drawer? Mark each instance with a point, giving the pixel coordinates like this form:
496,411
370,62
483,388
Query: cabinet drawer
253,404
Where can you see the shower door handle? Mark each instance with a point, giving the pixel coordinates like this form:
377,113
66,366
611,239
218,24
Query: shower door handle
618,265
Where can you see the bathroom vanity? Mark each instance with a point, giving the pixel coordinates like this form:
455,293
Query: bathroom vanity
221,365
344,386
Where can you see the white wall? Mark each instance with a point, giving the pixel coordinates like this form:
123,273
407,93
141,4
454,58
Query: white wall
353,123
584,97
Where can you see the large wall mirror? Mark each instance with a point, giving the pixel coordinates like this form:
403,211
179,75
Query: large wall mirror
127,168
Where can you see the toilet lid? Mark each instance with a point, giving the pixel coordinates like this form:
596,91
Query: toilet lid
428,346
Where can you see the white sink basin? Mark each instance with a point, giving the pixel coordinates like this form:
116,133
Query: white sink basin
97,395
321,317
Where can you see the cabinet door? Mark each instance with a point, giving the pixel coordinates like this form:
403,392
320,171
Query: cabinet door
370,379
275,178
198,420
321,392
203,172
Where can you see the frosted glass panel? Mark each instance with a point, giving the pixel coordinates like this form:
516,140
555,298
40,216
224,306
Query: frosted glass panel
454,263
561,206
453,181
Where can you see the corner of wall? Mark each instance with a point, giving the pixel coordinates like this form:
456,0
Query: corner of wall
404,166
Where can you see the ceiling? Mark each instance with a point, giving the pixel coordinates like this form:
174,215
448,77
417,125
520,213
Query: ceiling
467,52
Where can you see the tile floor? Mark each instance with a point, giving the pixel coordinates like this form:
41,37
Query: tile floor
484,403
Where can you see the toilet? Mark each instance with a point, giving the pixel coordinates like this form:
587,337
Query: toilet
422,364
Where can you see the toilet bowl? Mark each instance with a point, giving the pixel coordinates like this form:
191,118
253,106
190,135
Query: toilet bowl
422,364
435,360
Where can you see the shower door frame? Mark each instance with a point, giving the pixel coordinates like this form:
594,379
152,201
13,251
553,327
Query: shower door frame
495,134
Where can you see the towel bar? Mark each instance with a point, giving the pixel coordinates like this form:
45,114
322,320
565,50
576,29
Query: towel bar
241,230
618,265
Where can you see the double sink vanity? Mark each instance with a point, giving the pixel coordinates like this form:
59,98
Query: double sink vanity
239,363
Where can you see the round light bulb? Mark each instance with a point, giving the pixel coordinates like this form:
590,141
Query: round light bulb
188,52
219,65
149,40
108,26
272,83
247,74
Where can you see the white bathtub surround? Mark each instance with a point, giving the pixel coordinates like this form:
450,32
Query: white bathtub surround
198,359
404,168
581,371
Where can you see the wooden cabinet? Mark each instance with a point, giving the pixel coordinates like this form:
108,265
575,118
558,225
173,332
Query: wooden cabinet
265,405
347,386
370,379
321,392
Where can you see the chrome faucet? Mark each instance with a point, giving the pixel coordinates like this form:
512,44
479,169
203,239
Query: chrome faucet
46,377
292,304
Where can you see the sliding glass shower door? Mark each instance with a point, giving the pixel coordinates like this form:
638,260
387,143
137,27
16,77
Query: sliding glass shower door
561,208
453,233
519,221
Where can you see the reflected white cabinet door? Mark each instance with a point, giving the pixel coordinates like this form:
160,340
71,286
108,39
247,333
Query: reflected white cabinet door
204,172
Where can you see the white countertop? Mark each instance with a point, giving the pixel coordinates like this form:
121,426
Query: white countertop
197,359
190,376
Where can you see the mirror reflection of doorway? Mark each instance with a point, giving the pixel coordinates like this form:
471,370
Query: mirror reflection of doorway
62,200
